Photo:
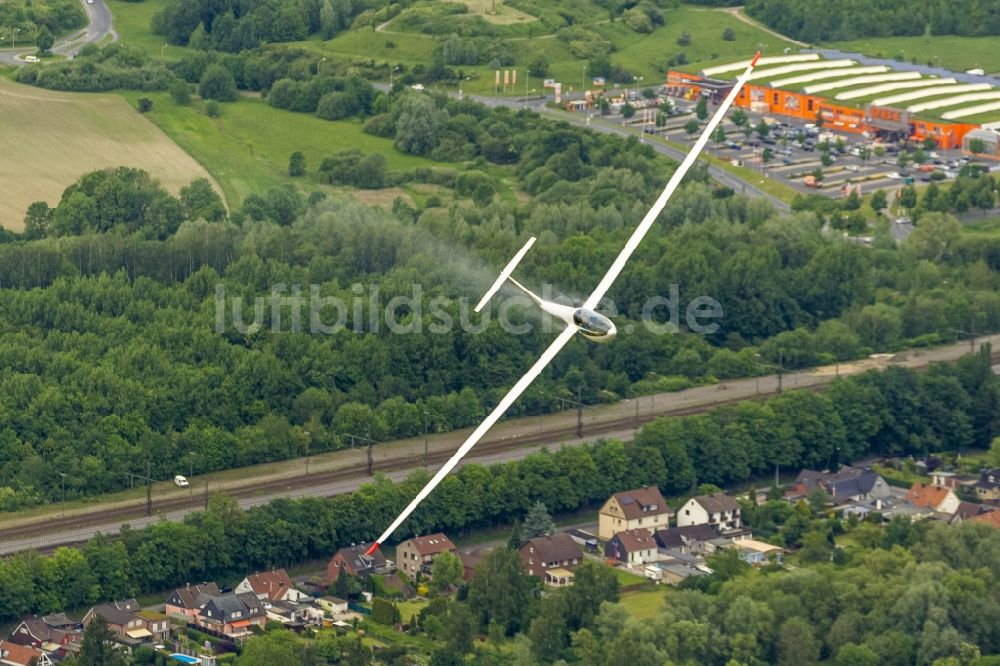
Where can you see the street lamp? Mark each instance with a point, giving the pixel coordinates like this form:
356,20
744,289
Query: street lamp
426,414
308,438
161,51
13,32
63,480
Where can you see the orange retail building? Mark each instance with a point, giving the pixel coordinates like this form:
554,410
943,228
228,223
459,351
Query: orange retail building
871,120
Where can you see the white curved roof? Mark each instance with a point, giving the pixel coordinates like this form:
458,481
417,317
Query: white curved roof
931,92
971,110
859,80
828,74
953,101
886,87
818,65
768,60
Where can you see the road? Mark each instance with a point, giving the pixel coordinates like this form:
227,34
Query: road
98,27
513,439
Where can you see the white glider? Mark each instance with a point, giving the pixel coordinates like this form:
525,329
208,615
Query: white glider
584,319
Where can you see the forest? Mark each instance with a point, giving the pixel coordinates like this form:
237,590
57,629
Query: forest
818,21
116,360
897,412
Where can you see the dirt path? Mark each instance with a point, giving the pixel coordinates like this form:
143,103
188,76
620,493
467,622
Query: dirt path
737,12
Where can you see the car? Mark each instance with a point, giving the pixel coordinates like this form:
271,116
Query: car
30,58
181,481
933,155
786,160
649,130
852,167
733,145
902,220
417,86
893,175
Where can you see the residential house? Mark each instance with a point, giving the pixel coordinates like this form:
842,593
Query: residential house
551,558
416,555
333,605
53,634
757,552
988,486
158,624
633,509
232,614
935,498
189,599
991,518
124,621
847,486
633,547
355,561
470,560
13,654
271,586
718,510
966,511
687,540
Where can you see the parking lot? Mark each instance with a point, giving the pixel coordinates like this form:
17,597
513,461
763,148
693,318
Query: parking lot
796,152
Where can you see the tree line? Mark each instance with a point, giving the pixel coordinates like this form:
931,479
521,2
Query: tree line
812,21
895,412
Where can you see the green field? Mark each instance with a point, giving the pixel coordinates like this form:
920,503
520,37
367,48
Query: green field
958,53
644,604
44,152
645,55
131,22
246,149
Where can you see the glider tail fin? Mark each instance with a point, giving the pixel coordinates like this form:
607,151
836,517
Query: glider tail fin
505,275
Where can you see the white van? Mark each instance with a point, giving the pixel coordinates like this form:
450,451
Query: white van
30,58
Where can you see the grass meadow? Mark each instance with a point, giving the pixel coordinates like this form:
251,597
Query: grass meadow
246,149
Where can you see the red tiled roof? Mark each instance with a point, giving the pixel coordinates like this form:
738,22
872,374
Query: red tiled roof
926,495
18,654
432,544
273,584
642,502
638,539
991,518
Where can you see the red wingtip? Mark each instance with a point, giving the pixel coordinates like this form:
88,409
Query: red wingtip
753,63
373,548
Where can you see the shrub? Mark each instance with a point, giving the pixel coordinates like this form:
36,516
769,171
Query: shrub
213,109
297,164
145,105
180,92
217,83
728,34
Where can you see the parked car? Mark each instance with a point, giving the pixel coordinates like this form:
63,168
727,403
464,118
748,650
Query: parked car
852,167
893,175
181,481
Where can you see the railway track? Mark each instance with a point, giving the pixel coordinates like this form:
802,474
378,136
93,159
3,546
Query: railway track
400,461
396,459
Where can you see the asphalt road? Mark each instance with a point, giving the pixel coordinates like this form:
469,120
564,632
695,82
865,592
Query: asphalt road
99,27
404,456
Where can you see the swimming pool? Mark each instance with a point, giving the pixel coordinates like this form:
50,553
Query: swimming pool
184,659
